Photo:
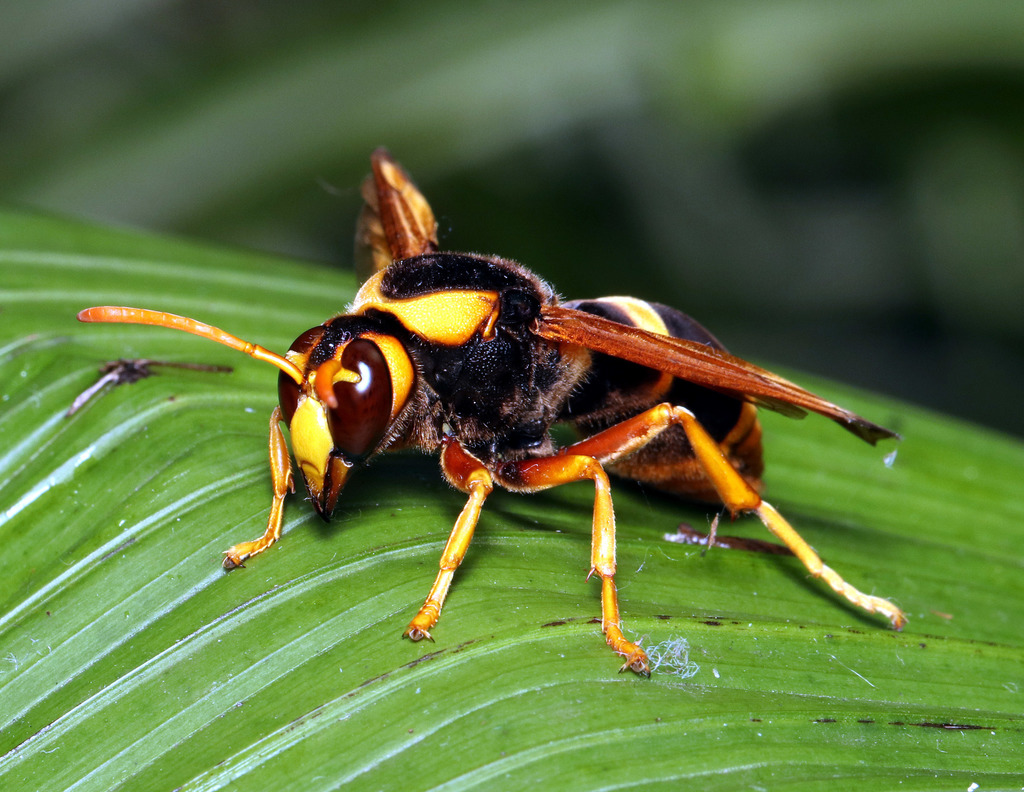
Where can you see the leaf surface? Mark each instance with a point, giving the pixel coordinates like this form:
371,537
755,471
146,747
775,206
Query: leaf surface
130,660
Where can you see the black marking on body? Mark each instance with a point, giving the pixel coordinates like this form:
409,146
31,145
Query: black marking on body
436,272
498,395
617,389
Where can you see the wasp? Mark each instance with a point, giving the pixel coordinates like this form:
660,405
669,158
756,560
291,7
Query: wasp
476,358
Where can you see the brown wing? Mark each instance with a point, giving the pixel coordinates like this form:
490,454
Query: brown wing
699,364
396,222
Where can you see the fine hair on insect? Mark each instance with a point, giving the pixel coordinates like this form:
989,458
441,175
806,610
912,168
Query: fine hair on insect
476,358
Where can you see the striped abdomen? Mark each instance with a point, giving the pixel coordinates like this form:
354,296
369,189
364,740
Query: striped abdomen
616,390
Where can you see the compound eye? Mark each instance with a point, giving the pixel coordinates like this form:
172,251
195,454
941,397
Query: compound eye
288,396
287,389
363,414
306,342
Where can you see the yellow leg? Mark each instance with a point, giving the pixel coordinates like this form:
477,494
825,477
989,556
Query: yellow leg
468,475
536,474
281,474
737,495
734,491
784,531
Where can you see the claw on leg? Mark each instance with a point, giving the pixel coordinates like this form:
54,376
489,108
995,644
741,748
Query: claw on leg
423,622
636,658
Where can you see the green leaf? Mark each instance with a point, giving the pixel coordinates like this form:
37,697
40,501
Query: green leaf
130,660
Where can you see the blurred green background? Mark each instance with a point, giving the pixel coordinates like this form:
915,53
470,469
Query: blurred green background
837,187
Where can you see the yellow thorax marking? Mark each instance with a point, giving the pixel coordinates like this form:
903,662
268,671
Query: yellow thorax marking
449,317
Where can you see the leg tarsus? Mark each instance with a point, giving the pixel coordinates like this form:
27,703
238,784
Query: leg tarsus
415,633
423,622
778,525
636,658
281,475
469,475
